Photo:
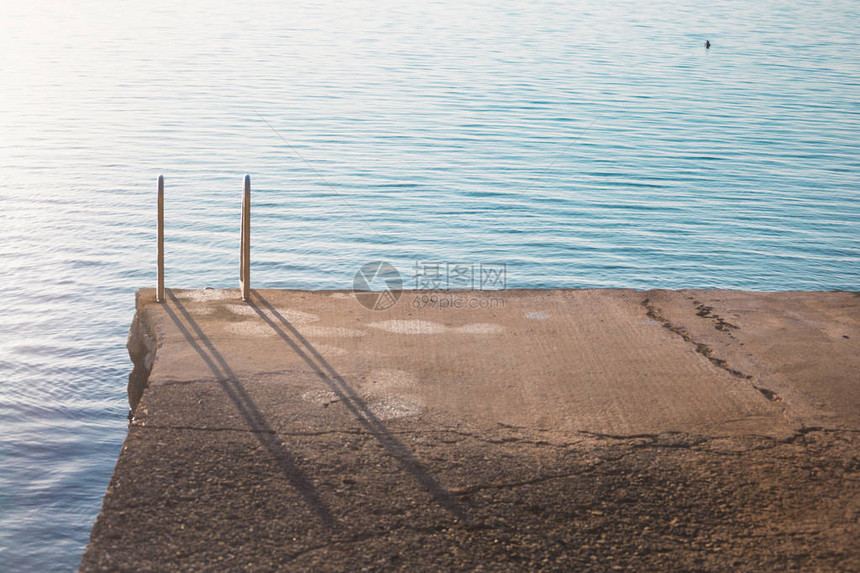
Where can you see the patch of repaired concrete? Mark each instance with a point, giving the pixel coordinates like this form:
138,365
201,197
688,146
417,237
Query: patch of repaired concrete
387,407
324,397
288,314
331,331
481,328
410,326
537,315
427,327
249,329
377,407
241,309
204,295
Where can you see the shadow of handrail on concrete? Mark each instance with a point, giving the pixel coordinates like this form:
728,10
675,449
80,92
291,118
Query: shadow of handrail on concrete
249,411
356,405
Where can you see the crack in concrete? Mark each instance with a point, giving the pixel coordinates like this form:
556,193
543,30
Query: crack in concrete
692,445
705,350
459,433
692,442
721,323
667,440
511,440
146,426
677,440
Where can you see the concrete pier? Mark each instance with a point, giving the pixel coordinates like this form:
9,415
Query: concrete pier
514,430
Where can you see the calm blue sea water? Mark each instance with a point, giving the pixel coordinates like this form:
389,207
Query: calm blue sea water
581,144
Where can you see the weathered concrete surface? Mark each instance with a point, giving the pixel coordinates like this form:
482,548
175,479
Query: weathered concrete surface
559,430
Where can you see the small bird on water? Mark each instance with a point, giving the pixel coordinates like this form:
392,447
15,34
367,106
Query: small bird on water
707,45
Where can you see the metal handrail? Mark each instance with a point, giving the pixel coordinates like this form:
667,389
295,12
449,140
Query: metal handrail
244,243
159,291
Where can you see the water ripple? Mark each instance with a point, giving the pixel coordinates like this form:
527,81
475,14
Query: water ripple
584,145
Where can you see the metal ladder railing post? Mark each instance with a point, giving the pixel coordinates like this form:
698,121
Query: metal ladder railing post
245,243
159,291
